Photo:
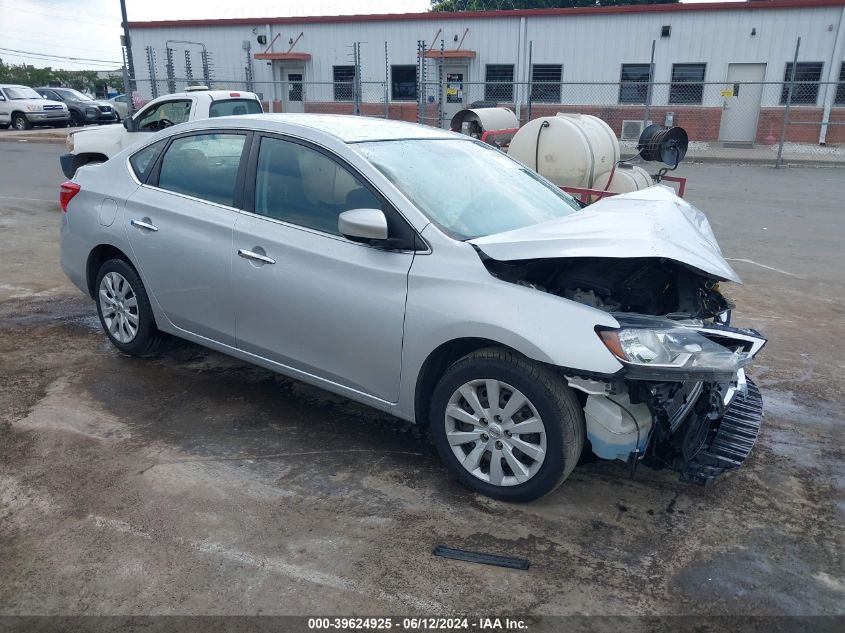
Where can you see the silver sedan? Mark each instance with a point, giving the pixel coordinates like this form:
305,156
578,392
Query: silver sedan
431,276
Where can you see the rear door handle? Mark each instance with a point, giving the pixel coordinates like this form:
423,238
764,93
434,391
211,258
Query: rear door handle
143,225
256,256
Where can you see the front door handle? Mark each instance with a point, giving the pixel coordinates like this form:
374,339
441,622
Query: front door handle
256,256
141,224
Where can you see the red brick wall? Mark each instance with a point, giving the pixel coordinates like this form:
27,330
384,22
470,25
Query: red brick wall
701,123
804,125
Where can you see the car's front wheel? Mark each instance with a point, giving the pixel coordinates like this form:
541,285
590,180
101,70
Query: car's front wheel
507,427
20,122
124,309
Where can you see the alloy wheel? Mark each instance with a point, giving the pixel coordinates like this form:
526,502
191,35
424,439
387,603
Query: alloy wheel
495,432
119,307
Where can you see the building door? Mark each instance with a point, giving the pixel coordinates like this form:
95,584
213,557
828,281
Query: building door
741,103
292,88
455,92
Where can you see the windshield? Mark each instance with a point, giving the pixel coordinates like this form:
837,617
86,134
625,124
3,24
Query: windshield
468,189
68,93
22,92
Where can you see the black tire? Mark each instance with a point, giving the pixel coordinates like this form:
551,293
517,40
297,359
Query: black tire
76,119
20,122
147,339
554,401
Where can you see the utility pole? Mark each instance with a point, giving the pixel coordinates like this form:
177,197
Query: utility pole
789,94
129,67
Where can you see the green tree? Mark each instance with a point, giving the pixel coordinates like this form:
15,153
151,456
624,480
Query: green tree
489,5
29,75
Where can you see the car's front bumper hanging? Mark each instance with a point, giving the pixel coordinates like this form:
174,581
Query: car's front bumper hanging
724,444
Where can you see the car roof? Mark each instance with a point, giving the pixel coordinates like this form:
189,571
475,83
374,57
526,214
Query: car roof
212,94
347,128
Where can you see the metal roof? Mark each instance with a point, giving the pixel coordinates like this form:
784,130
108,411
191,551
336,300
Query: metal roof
751,5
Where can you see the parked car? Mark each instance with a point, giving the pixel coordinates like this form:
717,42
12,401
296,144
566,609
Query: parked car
98,145
121,105
83,109
431,276
22,107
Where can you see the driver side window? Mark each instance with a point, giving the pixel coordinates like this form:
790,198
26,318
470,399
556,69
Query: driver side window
173,112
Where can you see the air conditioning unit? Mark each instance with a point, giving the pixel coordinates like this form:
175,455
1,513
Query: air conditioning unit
631,130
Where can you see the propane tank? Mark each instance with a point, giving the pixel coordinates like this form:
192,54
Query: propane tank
474,122
625,178
571,150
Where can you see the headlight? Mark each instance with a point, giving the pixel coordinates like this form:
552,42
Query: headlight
69,142
660,352
91,111
34,108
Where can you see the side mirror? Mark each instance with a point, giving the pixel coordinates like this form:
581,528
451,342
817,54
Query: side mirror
363,225
129,124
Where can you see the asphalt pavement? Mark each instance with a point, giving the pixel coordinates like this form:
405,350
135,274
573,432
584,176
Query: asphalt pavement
191,483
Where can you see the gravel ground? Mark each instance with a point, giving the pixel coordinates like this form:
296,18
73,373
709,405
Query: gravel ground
194,484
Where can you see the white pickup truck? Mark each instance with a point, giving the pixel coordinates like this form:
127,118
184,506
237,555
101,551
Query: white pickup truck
100,144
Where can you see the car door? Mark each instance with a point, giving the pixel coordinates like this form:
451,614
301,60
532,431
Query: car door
149,118
305,296
5,109
179,224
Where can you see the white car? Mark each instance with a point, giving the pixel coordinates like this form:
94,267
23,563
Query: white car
121,105
100,144
22,107
428,275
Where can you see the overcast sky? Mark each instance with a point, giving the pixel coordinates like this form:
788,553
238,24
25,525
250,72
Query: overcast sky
91,28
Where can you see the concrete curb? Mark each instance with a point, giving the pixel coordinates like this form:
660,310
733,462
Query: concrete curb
795,162
32,139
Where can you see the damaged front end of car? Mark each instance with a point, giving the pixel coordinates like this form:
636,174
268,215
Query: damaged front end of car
685,380
682,399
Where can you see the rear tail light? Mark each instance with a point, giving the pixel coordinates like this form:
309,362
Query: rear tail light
66,193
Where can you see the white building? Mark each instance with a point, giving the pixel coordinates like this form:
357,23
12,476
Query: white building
702,55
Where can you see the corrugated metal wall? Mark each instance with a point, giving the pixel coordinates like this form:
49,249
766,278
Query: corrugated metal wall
591,48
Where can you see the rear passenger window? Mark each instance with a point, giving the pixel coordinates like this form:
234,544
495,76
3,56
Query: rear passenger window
234,107
204,166
302,186
142,162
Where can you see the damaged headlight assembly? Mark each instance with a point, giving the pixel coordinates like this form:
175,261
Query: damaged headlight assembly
669,351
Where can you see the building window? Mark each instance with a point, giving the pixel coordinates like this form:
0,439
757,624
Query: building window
545,83
499,86
403,83
840,89
687,86
807,77
633,83
343,77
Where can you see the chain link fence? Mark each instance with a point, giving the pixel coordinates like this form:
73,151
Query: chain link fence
753,121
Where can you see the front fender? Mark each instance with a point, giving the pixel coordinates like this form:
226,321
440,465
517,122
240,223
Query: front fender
106,140
452,296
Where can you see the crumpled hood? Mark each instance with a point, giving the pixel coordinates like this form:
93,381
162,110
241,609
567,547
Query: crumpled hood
653,222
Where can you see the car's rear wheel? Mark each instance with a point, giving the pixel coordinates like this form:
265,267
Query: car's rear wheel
20,122
124,309
506,426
